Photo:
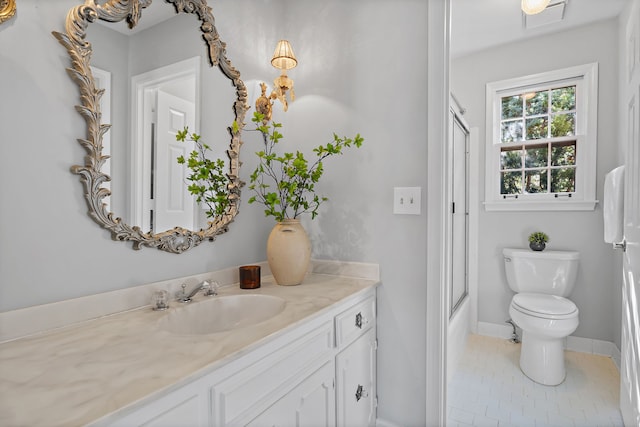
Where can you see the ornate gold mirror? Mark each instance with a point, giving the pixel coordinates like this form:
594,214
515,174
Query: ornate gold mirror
145,170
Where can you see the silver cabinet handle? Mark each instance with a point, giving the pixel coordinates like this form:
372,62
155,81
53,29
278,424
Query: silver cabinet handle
622,245
359,320
360,393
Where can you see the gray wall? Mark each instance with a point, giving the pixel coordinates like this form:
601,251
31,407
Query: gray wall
349,85
597,294
346,81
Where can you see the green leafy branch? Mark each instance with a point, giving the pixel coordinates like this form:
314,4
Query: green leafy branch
208,180
285,184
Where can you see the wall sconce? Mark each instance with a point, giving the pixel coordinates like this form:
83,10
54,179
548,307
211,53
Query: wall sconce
531,7
283,59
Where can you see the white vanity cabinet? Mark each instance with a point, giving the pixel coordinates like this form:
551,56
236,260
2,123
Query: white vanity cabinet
319,373
342,391
356,400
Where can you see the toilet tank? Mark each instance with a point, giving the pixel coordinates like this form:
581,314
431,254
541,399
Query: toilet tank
544,272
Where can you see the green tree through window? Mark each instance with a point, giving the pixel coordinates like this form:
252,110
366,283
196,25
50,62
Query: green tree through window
538,154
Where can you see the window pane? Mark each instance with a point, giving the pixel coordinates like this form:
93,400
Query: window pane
511,107
563,180
563,99
511,183
538,103
563,154
563,124
537,128
536,181
510,158
536,157
512,131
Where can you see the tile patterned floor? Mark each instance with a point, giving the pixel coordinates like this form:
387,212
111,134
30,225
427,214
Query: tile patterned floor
488,389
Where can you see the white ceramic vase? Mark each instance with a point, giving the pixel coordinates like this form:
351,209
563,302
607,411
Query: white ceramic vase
288,252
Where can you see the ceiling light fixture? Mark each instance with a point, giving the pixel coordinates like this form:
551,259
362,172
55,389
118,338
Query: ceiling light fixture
532,7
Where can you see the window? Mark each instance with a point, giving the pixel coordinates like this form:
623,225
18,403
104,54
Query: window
541,141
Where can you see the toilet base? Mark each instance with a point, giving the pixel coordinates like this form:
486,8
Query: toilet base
542,359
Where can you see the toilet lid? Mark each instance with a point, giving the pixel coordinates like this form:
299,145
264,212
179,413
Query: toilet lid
543,305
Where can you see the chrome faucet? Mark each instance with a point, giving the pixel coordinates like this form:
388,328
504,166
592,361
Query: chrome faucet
209,289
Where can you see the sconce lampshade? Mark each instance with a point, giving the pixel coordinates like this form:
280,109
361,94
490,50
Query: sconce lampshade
283,57
531,7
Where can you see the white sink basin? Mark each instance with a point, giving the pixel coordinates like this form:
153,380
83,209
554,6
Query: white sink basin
219,314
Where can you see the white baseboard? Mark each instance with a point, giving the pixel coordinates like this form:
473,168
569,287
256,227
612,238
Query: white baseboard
591,346
495,330
617,357
579,344
384,423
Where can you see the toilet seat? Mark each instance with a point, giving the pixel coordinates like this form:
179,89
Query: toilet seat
544,306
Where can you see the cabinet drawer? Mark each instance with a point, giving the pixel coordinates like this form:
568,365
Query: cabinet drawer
355,321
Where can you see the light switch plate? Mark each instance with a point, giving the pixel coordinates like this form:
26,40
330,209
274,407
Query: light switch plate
406,200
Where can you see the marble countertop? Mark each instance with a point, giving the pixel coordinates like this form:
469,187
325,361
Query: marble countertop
80,373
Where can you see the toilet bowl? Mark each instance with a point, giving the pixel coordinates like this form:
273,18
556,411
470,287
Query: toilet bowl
545,321
541,281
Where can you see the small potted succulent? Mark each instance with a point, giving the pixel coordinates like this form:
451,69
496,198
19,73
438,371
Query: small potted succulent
538,240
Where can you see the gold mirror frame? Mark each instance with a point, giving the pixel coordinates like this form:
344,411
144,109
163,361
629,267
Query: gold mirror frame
178,239
7,10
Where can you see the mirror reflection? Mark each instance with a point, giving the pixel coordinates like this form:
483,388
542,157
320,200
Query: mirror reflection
157,79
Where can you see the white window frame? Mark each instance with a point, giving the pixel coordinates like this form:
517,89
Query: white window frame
585,77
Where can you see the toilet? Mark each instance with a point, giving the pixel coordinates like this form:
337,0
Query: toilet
542,281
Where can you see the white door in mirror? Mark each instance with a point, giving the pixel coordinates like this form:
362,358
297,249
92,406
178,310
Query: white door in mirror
174,205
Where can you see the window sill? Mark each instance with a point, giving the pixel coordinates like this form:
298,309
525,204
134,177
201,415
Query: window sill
538,205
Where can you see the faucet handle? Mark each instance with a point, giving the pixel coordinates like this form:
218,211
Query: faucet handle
210,288
182,295
160,300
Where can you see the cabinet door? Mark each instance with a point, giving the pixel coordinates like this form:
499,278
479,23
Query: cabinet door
256,387
355,383
184,408
310,404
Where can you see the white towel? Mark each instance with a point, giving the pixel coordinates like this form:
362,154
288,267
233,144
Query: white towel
614,205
